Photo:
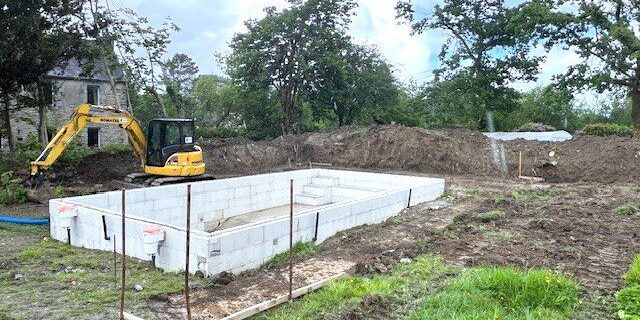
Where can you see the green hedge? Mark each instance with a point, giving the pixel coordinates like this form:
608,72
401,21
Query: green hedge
607,129
220,132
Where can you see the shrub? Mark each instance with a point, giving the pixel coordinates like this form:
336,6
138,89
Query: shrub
11,191
628,299
220,132
607,129
535,127
633,275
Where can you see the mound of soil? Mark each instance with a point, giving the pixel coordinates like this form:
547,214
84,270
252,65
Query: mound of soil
450,151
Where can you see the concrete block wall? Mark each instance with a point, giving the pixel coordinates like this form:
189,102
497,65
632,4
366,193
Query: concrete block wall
356,198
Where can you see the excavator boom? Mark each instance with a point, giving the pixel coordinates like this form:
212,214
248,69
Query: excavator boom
84,114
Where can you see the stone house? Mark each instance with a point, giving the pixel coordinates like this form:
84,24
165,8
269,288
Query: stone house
70,87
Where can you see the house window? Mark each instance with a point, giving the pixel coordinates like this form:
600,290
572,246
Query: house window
93,94
93,137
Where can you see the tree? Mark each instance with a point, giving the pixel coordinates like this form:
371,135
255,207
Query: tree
606,37
282,51
355,82
216,100
127,40
179,75
37,35
548,105
488,48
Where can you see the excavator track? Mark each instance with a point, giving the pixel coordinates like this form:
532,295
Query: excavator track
143,179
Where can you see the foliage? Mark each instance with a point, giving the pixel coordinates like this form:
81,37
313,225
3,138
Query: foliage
604,31
628,299
179,75
217,101
219,132
607,129
503,293
535,127
350,290
289,51
487,49
11,190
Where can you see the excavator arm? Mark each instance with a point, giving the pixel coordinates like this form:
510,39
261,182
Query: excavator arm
86,113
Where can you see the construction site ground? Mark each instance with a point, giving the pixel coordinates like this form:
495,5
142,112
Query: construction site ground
582,221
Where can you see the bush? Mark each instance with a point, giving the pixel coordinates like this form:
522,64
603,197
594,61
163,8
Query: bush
220,132
607,129
11,191
628,299
535,127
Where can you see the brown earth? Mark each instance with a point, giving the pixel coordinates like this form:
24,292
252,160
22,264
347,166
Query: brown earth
450,151
571,228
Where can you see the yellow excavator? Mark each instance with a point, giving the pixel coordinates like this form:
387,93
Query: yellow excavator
168,153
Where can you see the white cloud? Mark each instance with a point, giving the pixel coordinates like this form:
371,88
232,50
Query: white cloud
375,24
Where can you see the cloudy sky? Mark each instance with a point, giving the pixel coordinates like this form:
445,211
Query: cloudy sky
207,26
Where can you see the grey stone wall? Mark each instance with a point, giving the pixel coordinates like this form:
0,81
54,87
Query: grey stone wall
68,94
71,93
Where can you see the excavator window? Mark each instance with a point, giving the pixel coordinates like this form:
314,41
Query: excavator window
166,137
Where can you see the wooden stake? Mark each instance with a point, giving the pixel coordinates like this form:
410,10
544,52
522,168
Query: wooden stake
124,268
291,241
186,268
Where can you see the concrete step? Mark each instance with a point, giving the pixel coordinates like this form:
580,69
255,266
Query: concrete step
311,200
316,190
324,181
353,191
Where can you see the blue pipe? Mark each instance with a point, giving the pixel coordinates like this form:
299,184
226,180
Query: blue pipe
23,220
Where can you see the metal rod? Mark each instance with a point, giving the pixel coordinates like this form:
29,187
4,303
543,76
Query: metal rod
291,241
409,201
115,264
315,232
186,268
124,258
69,236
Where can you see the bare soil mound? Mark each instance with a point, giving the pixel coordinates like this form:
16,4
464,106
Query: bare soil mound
449,151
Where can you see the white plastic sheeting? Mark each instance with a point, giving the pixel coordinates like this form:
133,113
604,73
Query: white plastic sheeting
554,136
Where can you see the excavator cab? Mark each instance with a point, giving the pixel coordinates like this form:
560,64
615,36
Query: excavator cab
171,150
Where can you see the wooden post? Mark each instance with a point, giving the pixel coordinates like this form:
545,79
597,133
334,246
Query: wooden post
186,268
124,259
291,241
520,165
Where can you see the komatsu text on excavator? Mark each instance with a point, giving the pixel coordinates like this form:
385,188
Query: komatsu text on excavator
167,154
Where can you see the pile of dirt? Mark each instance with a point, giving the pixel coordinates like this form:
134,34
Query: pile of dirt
448,151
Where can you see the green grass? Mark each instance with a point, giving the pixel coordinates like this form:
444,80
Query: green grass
628,299
300,250
491,215
63,282
347,292
428,288
626,210
503,293
524,195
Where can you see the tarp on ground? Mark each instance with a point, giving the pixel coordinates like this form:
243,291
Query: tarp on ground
556,136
